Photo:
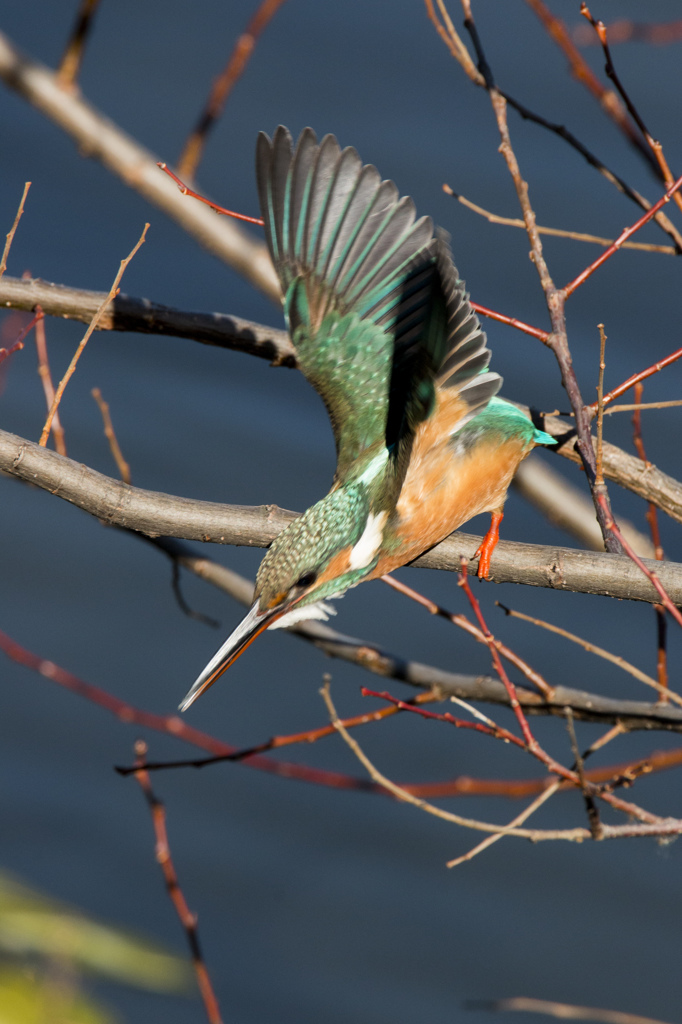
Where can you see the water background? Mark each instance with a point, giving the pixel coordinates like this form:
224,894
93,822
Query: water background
317,905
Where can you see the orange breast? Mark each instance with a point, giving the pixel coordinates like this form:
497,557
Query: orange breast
444,489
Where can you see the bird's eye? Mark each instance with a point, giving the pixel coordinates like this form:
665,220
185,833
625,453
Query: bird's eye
306,580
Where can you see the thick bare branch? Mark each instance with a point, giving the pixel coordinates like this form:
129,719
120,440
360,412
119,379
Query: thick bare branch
592,707
160,515
127,313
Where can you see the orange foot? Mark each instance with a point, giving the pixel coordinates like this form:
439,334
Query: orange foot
488,544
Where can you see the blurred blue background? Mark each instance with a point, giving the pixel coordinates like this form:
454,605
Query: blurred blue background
316,904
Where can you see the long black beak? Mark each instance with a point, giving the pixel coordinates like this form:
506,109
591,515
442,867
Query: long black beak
245,633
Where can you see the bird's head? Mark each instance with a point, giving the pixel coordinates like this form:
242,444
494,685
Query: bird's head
334,546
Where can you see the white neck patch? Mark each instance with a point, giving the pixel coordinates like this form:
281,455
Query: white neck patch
319,610
366,548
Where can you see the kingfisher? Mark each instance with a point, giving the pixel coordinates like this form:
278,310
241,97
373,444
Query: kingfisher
384,331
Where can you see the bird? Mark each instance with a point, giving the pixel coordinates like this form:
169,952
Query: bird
383,329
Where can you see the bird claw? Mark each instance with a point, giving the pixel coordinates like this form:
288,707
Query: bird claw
485,549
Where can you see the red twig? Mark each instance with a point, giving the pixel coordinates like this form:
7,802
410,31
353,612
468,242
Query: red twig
497,661
171,725
188,920
18,344
463,623
512,321
277,742
624,30
187,191
627,233
5,353
637,377
494,730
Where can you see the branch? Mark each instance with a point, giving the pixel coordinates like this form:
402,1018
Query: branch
631,715
98,137
127,313
187,919
231,332
564,1011
447,32
223,85
581,71
160,515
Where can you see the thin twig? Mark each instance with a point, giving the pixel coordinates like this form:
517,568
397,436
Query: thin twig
499,668
600,652
565,1011
463,623
69,66
638,406
77,354
514,823
574,835
487,728
109,433
48,387
452,40
185,190
599,475
637,377
187,919
307,736
568,289
590,805
577,236
654,145
555,298
608,100
5,353
511,321
12,230
223,85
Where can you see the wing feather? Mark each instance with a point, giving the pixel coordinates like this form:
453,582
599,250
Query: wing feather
376,309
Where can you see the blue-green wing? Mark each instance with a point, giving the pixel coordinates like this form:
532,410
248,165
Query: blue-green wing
375,308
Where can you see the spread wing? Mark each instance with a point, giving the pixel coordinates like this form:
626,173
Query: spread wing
375,308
